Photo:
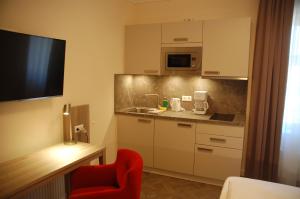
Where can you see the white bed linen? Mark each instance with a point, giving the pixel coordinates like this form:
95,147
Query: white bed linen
245,188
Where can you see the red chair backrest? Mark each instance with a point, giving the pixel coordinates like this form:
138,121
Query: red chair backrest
129,166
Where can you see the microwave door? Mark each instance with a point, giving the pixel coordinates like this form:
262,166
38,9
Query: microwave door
179,61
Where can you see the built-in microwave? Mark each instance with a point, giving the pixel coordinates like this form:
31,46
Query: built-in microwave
181,59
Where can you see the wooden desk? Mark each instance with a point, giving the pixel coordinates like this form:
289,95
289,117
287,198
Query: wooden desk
22,174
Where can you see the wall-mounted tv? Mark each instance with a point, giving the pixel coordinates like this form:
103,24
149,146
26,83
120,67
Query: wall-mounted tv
30,66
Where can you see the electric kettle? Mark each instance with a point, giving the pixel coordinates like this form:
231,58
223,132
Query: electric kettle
176,105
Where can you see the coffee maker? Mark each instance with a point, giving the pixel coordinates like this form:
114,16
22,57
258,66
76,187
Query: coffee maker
201,104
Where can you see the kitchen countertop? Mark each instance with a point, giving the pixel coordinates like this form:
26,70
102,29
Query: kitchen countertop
239,119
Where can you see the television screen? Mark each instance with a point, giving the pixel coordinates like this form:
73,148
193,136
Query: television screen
30,66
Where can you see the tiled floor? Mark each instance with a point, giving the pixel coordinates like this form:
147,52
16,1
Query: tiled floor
162,187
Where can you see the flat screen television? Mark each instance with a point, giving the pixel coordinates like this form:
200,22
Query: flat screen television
30,66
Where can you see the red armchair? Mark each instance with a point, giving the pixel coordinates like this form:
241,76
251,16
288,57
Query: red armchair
121,180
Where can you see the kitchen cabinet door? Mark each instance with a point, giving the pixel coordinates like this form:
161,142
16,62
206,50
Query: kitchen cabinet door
217,162
226,48
136,133
142,49
183,32
174,146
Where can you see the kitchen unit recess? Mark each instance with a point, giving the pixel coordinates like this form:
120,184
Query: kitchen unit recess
206,150
182,32
143,49
137,133
226,48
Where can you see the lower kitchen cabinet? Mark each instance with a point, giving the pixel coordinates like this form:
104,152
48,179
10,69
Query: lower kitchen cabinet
212,151
137,133
174,145
218,150
217,162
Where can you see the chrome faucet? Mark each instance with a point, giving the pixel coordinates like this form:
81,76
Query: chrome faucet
157,97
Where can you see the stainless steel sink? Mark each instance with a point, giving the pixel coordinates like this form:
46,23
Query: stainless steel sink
144,110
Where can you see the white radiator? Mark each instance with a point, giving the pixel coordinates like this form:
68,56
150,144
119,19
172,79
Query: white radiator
54,189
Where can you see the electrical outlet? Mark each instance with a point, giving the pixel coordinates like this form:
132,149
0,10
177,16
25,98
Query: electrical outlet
186,98
78,128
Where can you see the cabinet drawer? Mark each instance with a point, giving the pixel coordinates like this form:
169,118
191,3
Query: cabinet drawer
184,32
217,162
217,140
216,129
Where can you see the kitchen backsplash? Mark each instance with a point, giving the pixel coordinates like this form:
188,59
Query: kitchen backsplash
225,96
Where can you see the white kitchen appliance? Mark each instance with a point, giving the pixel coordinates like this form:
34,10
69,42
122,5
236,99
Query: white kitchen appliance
181,59
176,104
201,104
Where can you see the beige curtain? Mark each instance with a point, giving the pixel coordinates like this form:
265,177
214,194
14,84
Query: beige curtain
268,88
289,159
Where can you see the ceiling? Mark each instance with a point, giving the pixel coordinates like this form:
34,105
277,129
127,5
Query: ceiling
144,1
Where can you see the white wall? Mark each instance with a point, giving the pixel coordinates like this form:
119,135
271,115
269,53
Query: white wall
94,30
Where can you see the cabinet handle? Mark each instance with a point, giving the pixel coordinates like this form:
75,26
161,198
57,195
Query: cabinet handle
151,71
184,125
211,72
144,120
177,39
205,149
217,140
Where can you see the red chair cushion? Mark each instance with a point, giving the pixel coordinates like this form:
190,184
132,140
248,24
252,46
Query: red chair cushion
121,180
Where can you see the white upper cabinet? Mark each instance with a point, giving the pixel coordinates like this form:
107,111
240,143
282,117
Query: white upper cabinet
226,47
183,32
142,49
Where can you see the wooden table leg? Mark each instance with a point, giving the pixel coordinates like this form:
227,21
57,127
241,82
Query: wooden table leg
67,185
102,159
